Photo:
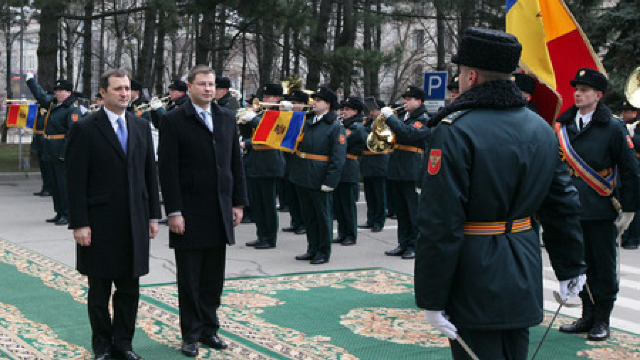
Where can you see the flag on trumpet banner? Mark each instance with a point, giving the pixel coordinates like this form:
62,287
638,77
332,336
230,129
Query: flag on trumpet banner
22,115
554,47
280,129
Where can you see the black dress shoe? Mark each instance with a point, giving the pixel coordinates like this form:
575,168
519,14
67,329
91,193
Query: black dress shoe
214,342
305,256
62,221
300,231
579,326
126,355
103,356
337,240
264,245
409,254
395,252
599,331
289,229
319,260
253,243
348,241
376,228
189,349
365,226
53,219
630,247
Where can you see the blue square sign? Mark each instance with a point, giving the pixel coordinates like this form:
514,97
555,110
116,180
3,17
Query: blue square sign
435,85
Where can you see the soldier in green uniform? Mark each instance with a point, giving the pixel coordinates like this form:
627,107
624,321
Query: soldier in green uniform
137,99
604,148
405,164
492,165
373,168
454,88
61,114
223,96
265,165
43,162
316,172
526,84
177,96
629,114
348,190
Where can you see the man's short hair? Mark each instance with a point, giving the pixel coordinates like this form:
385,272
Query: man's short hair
104,78
199,69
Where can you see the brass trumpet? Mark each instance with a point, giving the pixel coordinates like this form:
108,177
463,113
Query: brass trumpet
632,92
381,138
147,106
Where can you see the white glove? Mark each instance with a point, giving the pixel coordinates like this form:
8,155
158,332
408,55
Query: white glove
247,116
326,188
571,287
386,111
28,76
438,319
623,221
286,105
155,104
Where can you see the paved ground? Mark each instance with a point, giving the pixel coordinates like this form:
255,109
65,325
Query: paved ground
22,222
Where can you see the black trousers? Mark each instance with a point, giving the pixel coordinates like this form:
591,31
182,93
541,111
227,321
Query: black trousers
316,212
600,256
294,205
494,345
200,274
632,235
375,193
405,198
344,209
391,205
45,172
59,187
265,214
118,334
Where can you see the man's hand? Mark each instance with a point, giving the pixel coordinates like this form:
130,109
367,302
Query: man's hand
237,215
439,320
247,117
326,188
623,221
28,76
286,105
153,229
155,103
571,287
82,235
386,111
176,224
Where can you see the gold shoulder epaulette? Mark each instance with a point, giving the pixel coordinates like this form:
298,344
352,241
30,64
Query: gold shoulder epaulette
449,119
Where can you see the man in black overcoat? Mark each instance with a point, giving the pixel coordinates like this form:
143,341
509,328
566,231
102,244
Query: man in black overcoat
204,192
114,207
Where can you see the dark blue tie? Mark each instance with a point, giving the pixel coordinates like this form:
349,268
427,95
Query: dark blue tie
122,134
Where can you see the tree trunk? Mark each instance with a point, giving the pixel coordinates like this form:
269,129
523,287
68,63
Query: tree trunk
377,45
286,53
158,79
87,45
69,49
265,69
222,51
318,41
101,59
145,57
204,37
366,46
48,46
440,25
343,64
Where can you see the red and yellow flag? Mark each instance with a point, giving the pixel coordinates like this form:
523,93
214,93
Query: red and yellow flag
554,47
22,115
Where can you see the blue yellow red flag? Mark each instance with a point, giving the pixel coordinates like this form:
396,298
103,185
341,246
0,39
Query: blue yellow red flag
280,129
22,115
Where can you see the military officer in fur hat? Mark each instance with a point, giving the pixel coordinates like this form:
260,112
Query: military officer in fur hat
492,164
177,96
405,163
223,97
628,112
526,84
454,88
604,147
348,190
137,99
316,172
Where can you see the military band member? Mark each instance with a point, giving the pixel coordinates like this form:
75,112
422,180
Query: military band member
62,113
348,190
137,99
492,165
603,144
373,168
454,88
177,97
223,97
405,166
265,165
44,162
298,99
629,114
316,172
526,84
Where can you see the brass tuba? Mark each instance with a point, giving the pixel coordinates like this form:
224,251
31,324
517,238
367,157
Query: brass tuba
632,92
381,138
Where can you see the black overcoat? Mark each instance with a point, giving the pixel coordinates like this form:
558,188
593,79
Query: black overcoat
113,193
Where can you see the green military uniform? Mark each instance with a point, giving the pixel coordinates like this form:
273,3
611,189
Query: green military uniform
133,108
43,162
58,123
321,157
373,168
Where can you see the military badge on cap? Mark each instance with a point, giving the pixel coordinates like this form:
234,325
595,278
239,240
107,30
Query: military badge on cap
582,72
435,157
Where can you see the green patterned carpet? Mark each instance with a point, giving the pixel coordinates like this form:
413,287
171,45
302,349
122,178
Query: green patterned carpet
353,314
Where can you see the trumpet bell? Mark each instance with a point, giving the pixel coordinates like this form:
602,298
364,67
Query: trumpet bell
632,89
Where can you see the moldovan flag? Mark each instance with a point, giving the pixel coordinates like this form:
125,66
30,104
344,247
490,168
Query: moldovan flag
280,129
22,115
553,49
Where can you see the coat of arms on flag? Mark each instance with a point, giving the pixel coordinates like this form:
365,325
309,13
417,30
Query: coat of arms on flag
280,129
22,115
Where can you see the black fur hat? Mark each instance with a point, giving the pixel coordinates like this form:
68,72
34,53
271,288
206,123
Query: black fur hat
590,77
272,89
525,82
326,94
488,49
414,92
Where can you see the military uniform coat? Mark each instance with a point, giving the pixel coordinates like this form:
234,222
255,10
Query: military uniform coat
356,143
156,115
493,161
412,131
373,165
114,193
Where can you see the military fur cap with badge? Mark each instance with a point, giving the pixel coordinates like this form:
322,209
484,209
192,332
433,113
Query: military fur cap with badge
592,78
178,85
272,89
135,85
525,82
454,83
414,92
298,96
488,49
353,102
223,82
327,95
624,105
63,84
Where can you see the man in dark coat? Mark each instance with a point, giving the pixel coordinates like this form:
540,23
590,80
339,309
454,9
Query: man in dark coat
316,172
348,190
61,114
223,96
492,165
204,191
526,84
405,163
113,197
602,144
